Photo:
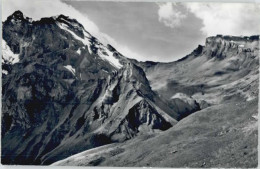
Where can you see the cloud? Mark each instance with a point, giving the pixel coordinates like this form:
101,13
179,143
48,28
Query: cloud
227,18
170,15
37,9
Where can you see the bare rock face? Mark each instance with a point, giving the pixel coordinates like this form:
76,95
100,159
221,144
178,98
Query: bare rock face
184,104
126,107
220,46
144,114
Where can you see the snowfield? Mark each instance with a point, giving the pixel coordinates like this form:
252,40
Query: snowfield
71,69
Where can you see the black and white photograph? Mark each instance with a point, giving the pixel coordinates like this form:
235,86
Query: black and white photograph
112,83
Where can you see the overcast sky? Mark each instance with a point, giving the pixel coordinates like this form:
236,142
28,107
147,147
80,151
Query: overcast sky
148,30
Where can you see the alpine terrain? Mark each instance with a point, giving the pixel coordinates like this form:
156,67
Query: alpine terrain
69,99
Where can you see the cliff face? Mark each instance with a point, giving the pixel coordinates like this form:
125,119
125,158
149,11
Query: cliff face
223,46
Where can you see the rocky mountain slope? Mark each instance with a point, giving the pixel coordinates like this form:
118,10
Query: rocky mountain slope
64,92
222,78
219,136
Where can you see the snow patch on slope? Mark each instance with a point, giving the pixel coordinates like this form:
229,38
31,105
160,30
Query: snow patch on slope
71,69
79,51
104,70
85,41
103,52
4,72
8,56
75,25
